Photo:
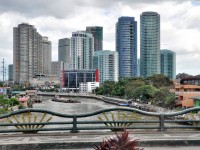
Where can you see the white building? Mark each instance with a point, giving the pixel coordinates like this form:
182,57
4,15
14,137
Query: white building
88,87
82,49
107,63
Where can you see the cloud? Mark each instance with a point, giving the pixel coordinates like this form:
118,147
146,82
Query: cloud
180,30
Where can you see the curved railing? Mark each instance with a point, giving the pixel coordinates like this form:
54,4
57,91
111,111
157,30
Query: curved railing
33,120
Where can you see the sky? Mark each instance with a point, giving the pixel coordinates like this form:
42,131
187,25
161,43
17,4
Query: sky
56,19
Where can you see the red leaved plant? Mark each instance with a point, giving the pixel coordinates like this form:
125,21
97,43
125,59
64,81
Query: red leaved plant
120,142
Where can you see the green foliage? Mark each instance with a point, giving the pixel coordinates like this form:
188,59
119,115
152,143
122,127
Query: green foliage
119,116
3,110
21,106
164,98
131,86
29,118
154,89
144,93
158,81
106,88
6,102
170,100
1,84
120,142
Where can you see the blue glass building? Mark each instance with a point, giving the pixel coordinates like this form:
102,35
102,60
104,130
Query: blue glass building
168,63
149,44
126,46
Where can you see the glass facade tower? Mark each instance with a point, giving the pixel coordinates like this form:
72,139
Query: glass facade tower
126,46
168,63
97,33
64,51
106,62
149,44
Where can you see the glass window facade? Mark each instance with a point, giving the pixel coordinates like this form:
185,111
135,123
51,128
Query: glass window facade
149,44
168,63
72,78
126,46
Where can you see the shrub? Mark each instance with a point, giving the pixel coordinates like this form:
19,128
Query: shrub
120,142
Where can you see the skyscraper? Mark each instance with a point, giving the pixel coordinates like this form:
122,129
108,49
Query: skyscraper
107,63
168,63
149,44
46,47
126,46
82,50
29,51
97,33
10,72
64,52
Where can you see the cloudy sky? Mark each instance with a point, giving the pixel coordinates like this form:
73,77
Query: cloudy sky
180,23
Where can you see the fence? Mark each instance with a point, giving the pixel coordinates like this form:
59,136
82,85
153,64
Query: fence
35,120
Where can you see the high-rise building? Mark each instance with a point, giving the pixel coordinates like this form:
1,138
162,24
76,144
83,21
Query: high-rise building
56,68
46,47
149,44
168,63
97,33
107,63
82,50
10,72
126,46
64,52
30,50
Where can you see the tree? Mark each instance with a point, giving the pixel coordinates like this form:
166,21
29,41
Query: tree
131,86
159,80
144,93
160,96
106,88
170,100
1,84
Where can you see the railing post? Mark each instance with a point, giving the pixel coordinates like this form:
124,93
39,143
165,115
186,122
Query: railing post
74,129
162,124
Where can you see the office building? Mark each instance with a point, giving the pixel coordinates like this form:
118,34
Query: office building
64,52
10,72
97,33
46,47
149,44
126,46
56,68
168,63
73,78
82,50
31,53
107,63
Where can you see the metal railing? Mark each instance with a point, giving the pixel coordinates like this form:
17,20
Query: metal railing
31,123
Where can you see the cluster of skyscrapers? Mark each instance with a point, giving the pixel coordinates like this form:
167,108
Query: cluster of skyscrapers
84,51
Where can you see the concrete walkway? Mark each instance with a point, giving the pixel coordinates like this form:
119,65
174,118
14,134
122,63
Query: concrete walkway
86,140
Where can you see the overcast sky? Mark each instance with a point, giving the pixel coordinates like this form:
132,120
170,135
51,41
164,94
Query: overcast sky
56,19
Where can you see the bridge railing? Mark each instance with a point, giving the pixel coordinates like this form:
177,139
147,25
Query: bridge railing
39,120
